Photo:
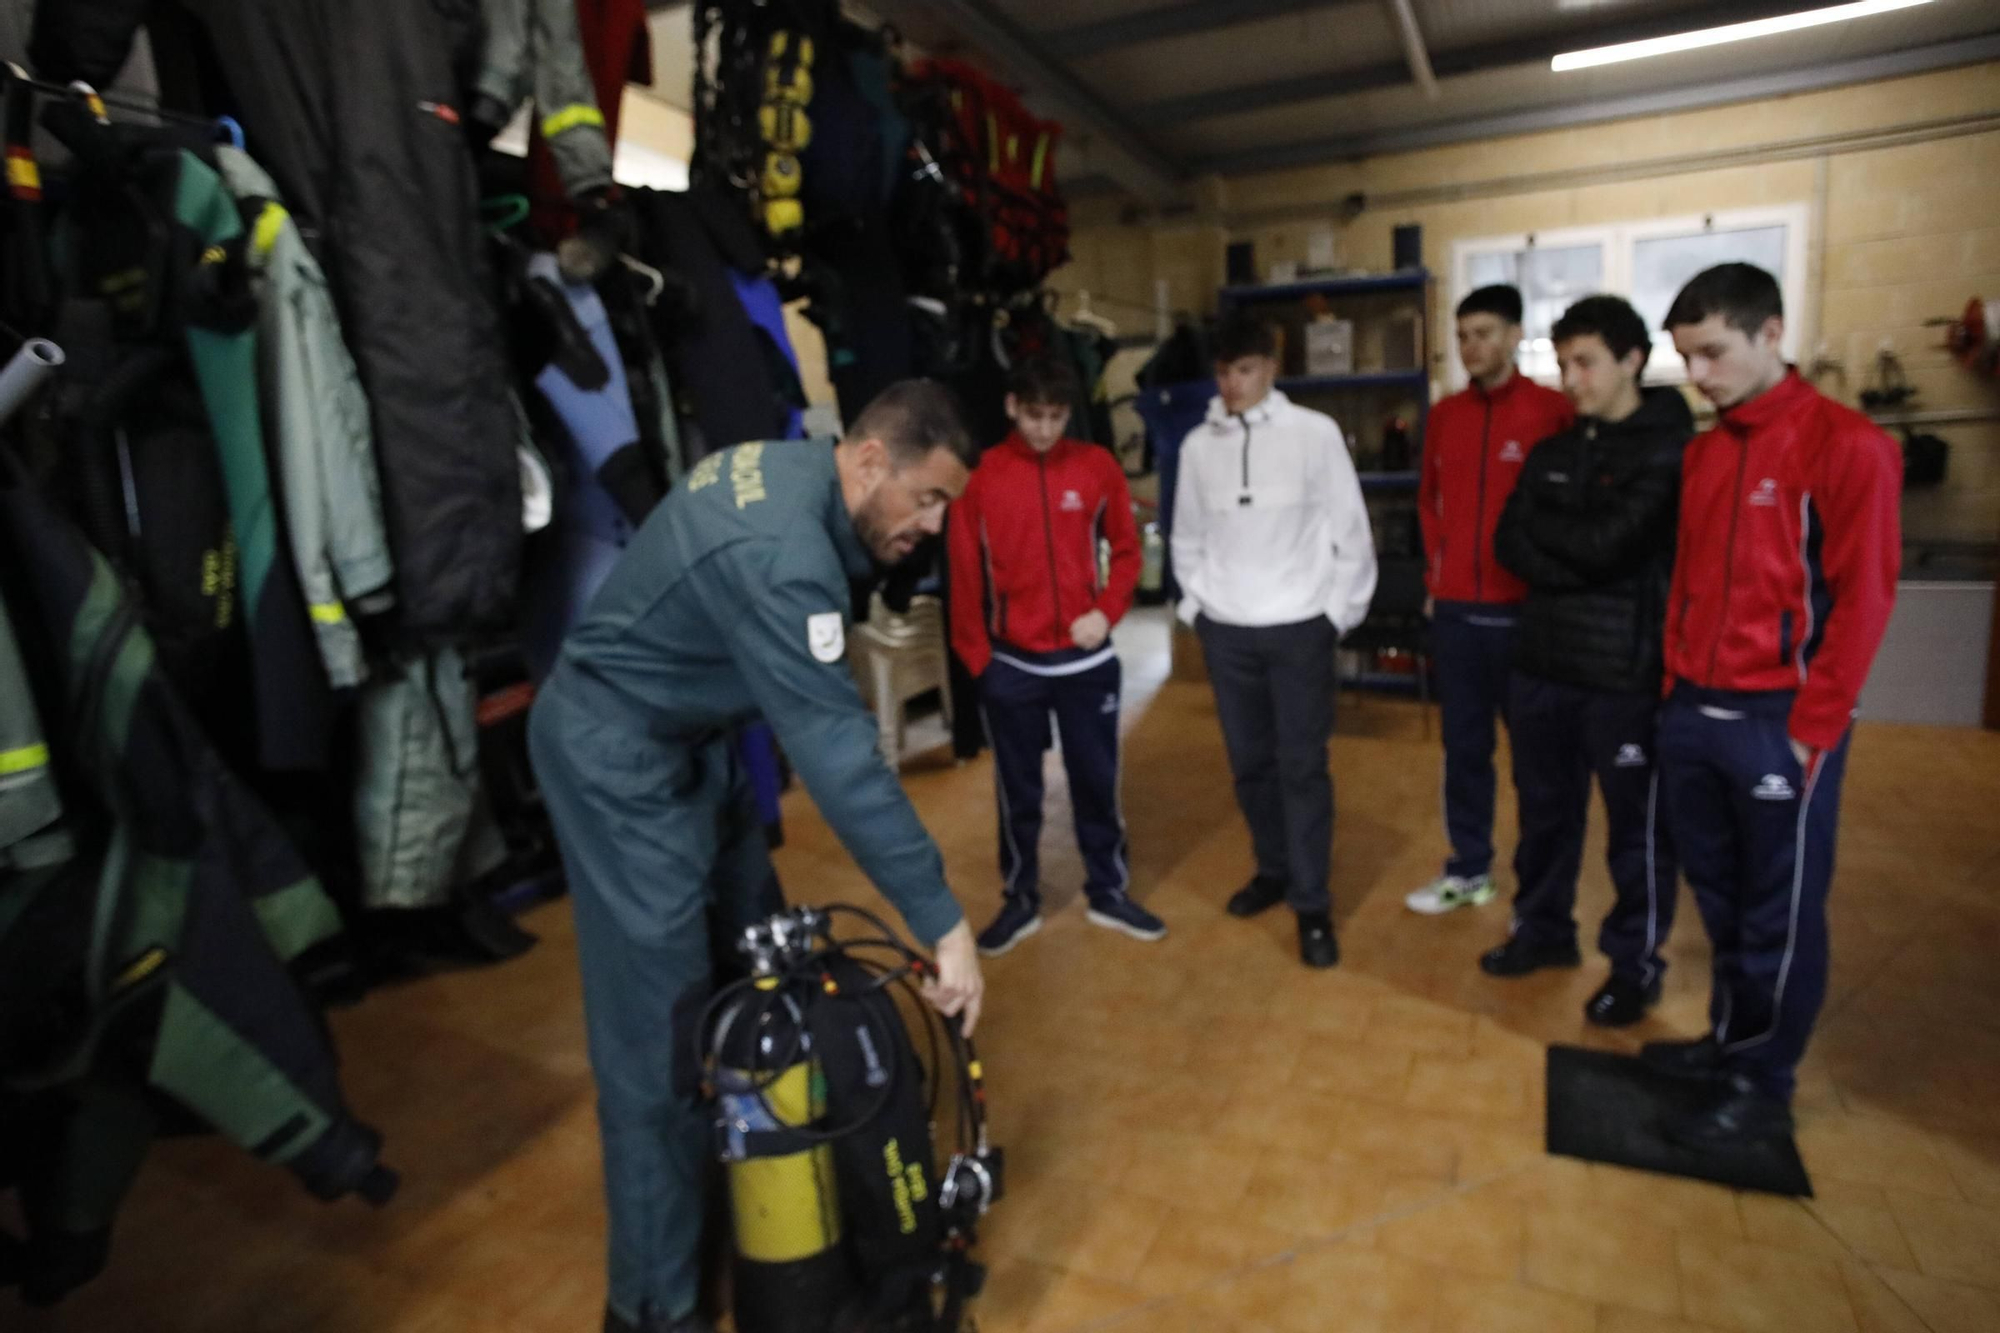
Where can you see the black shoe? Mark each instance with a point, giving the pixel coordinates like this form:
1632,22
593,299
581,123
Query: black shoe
1119,913
1520,956
1317,946
1740,1115
1018,919
1697,1059
1621,1001
1257,896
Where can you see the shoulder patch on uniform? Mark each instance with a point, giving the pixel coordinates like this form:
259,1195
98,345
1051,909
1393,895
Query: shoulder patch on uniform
826,636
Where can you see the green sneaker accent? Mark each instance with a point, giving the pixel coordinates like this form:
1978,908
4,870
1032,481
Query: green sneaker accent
1449,892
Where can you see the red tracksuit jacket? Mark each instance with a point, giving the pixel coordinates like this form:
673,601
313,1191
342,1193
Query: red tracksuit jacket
1023,544
1790,542
1474,444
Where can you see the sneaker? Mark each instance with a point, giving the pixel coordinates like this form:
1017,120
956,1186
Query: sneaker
1621,1001
1739,1115
1520,956
1447,892
1122,914
1017,921
1256,896
1697,1059
1317,945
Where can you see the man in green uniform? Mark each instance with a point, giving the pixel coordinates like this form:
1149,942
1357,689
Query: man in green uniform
731,602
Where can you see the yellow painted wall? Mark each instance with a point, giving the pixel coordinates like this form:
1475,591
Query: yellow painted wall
1906,232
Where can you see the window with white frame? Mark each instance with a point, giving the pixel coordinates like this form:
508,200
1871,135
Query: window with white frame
1645,262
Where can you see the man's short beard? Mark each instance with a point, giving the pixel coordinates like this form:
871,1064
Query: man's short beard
874,533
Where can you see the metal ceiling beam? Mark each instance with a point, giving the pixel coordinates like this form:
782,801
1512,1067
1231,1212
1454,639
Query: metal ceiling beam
1812,78
1528,50
1414,51
1118,148
1152,25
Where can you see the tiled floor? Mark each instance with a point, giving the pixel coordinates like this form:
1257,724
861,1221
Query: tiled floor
1203,1136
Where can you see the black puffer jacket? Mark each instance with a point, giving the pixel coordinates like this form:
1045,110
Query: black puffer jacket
1590,528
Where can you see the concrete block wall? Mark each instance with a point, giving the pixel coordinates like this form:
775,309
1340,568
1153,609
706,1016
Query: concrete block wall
1901,234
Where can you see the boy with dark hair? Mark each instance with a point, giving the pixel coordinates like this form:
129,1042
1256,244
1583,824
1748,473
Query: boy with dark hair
1590,530
1031,617
1789,547
1276,561
1474,445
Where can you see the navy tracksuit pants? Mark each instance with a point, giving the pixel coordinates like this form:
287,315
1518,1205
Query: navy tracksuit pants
1562,735
1756,836
1019,692
1472,647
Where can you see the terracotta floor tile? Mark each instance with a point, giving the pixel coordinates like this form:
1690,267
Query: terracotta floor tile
1603,1256
1945,1307
1420,1026
1869,1232
1869,1150
1468,1305
1312,1200
1457,1086
1348,1289
1478,1234
1618,1319
1736,1285
1352,1068
1974,1164
1959,1242
1789,1224
1408,1142
1195,1249
1679,1205
1187,1170
1877,1307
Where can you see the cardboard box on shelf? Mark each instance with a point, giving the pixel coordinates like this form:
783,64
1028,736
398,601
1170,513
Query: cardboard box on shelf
1330,347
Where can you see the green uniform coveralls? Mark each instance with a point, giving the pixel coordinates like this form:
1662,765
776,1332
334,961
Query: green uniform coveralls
730,603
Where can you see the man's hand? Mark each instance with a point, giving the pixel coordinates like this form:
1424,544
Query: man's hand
1089,629
959,987
1801,752
1430,606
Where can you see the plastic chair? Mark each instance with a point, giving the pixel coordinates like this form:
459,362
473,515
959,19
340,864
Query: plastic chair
897,658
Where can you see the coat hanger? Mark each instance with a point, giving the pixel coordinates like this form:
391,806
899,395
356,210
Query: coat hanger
1089,318
656,281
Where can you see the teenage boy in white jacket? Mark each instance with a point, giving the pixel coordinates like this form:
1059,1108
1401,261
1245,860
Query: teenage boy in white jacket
1275,561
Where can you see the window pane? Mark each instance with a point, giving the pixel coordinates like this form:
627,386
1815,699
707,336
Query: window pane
1662,265
1551,278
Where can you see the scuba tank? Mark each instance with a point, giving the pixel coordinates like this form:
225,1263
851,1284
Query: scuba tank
843,1222
791,1274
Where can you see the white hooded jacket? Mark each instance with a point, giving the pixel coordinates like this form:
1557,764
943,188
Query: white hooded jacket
1269,524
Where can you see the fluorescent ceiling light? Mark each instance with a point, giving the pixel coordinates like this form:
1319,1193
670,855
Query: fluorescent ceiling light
1729,32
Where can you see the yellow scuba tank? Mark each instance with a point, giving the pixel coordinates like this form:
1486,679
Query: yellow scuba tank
791,1271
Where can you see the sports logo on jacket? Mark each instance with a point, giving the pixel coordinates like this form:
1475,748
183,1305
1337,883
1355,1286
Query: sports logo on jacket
1772,787
825,636
1629,756
1512,452
1072,503
1766,492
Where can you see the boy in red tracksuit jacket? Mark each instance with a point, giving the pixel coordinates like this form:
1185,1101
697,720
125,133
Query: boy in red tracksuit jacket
1790,543
1032,608
1474,444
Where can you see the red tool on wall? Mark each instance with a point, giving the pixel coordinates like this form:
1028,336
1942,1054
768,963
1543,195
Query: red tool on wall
1974,337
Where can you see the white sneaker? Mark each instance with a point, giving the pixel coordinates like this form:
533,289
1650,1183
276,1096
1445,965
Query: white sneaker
1448,892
